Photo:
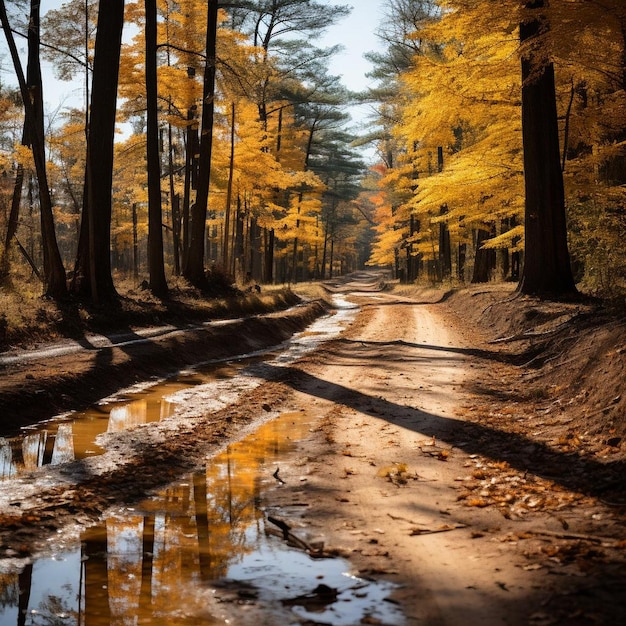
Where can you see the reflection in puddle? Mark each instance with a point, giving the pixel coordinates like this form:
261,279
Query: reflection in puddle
71,438
197,554
74,437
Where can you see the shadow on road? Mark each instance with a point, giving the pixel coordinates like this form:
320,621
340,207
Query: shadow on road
567,469
491,355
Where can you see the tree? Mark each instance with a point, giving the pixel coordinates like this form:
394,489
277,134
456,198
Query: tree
11,119
547,270
68,35
158,284
467,58
590,61
194,267
32,96
93,265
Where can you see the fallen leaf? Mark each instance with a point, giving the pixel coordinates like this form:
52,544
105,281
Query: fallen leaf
479,502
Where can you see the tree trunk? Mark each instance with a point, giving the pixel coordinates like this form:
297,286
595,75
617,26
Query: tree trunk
324,251
93,266
32,97
12,223
156,268
54,271
461,262
268,262
238,245
547,270
194,267
484,260
191,147
256,260
135,244
445,248
229,188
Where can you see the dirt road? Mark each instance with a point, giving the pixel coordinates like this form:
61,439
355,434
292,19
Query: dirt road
382,474
389,471
400,475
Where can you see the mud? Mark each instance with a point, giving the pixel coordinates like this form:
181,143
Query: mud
38,388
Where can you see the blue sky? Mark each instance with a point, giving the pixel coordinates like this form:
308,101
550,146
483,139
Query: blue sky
356,34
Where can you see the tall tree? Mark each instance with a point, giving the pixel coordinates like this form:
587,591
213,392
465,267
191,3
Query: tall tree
31,89
547,270
194,267
93,266
156,268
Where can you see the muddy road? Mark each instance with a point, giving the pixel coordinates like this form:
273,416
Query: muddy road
374,482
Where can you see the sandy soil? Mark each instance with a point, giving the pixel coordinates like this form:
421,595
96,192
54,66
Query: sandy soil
435,463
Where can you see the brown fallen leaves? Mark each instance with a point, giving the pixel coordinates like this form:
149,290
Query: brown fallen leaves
397,474
514,493
432,448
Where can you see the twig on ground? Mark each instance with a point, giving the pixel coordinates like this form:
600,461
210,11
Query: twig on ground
288,535
431,531
578,536
277,477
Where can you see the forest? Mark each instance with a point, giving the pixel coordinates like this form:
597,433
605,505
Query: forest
251,374
214,146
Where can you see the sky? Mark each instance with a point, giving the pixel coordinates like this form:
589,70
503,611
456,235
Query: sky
357,34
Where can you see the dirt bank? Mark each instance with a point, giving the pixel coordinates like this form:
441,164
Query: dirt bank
40,383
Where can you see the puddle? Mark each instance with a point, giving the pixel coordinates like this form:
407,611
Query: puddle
74,437
206,387
198,553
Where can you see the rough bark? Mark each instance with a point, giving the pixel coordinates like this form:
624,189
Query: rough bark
194,266
93,267
156,268
484,260
547,271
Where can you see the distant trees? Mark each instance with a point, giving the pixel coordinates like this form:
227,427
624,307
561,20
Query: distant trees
502,146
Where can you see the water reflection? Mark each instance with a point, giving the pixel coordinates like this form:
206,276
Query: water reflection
71,438
156,563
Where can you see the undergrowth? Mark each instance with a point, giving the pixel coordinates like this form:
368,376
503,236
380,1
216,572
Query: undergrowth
26,317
